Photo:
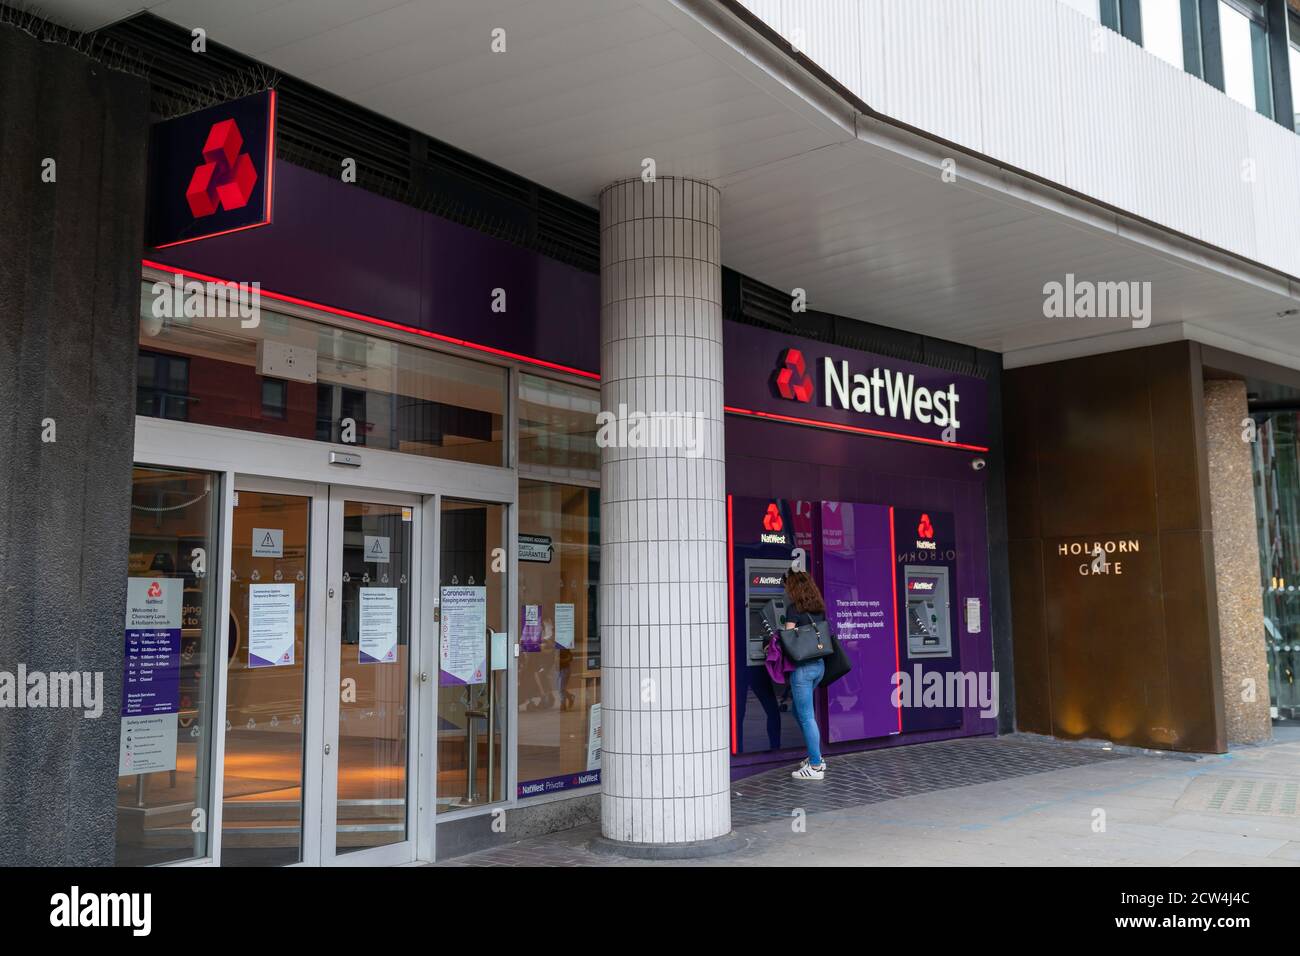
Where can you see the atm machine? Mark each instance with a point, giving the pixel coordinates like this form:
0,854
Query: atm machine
926,574
764,583
929,617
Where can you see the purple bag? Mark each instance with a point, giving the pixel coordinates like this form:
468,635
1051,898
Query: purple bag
777,664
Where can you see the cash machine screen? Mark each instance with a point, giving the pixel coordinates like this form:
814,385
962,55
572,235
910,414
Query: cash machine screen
928,629
764,581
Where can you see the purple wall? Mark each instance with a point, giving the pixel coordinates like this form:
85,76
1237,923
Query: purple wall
773,459
339,245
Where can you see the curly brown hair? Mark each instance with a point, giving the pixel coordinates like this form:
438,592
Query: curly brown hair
804,594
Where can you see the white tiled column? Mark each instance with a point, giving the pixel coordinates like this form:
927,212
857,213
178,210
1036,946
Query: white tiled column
663,594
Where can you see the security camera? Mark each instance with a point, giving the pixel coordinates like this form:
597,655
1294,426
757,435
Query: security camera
979,464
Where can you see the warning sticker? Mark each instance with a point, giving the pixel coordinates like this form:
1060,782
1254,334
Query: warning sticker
376,549
268,542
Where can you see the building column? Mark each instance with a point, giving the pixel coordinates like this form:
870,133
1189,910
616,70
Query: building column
1236,564
663,593
69,323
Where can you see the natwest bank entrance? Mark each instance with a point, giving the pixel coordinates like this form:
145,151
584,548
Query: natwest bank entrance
869,472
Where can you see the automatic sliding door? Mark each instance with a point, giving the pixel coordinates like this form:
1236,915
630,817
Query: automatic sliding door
266,696
372,584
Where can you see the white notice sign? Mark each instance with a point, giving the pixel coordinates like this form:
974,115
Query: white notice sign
972,615
463,642
378,626
271,620
147,744
564,625
376,549
500,650
268,542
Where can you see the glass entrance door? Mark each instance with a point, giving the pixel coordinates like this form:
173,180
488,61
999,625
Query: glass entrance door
373,604
320,676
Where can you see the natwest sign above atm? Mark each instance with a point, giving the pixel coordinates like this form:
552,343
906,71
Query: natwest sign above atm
776,376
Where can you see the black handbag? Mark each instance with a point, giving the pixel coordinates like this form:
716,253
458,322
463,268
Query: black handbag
837,665
807,642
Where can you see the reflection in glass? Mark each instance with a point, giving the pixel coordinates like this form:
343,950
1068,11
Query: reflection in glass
210,371
373,670
1277,512
559,674
471,722
174,543
557,428
266,680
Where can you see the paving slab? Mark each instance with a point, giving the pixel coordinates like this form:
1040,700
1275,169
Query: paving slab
1010,801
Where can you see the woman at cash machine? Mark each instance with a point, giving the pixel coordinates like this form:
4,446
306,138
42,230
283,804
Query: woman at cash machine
805,606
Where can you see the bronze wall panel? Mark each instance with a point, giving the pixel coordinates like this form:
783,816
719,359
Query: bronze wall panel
1192,622
1178,416
1111,448
1032,663
1106,638
1020,433
1095,464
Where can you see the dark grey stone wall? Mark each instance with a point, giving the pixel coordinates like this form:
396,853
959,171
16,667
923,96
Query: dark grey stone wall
69,293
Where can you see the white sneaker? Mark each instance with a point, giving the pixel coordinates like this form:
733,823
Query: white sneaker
803,763
809,772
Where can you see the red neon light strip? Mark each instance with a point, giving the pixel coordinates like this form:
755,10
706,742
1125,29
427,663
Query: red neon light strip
851,429
266,203
893,576
270,166
372,320
731,623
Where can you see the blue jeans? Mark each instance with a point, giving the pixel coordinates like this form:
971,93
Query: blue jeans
803,679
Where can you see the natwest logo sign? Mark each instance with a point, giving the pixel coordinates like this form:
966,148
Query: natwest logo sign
226,178
210,172
792,378
773,526
925,534
881,391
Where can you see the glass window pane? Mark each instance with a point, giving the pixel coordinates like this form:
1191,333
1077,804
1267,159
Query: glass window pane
340,385
557,427
1245,58
1277,508
171,632
1162,29
1294,62
1238,63
559,666
473,654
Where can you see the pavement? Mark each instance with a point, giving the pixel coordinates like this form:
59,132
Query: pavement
1017,800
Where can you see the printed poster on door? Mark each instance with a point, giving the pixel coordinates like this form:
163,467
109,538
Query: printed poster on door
377,641
271,619
530,628
151,675
462,642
